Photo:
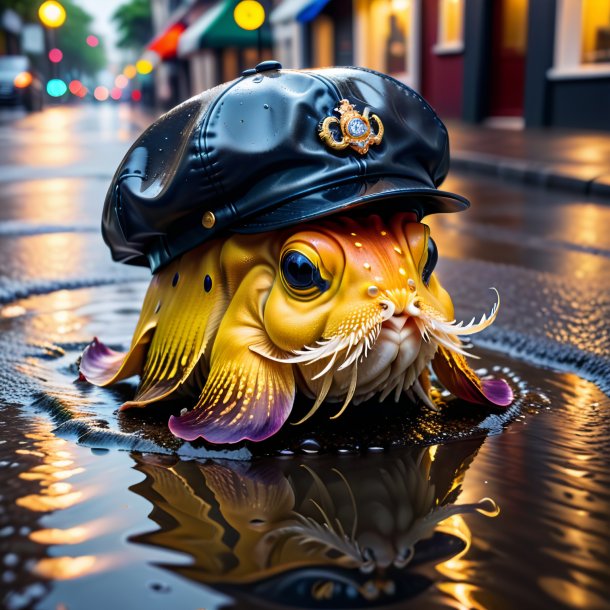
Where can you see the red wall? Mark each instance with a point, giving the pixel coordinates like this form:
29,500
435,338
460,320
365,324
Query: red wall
442,76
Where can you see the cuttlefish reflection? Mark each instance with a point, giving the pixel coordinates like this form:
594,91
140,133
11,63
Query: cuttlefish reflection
313,530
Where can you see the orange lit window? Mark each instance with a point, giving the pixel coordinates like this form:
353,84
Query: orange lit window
595,40
514,25
323,54
450,25
385,27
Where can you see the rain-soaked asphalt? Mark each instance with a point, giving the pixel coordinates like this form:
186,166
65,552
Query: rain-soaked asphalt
512,513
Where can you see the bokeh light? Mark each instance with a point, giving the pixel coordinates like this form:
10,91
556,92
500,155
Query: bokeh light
77,88
22,80
121,81
249,14
52,14
100,93
55,55
136,95
143,66
92,40
116,93
130,71
56,87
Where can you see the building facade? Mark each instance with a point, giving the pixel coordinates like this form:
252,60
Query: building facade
532,63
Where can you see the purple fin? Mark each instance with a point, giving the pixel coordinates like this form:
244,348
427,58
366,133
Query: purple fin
240,402
454,373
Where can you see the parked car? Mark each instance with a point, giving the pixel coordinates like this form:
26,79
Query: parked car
19,83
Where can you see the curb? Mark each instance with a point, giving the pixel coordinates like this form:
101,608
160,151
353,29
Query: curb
531,172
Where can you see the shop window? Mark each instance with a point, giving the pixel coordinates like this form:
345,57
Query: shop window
323,40
514,26
595,30
385,32
582,39
450,26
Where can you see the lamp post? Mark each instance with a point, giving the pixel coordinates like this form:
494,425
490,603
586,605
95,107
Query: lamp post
52,15
250,15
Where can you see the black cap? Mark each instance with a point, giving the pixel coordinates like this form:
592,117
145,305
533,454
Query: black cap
258,154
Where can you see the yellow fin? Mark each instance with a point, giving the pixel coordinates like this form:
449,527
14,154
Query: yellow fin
246,396
190,302
103,366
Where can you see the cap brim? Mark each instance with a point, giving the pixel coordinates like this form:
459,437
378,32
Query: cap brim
381,196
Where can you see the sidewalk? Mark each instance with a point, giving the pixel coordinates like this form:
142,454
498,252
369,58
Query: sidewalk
554,158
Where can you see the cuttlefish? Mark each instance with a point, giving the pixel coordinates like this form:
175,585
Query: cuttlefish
344,311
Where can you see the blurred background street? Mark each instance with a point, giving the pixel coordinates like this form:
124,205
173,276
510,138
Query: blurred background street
100,508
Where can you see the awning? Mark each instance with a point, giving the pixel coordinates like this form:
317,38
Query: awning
297,10
216,29
165,45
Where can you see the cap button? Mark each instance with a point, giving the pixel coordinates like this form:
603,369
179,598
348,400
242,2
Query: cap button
208,220
265,66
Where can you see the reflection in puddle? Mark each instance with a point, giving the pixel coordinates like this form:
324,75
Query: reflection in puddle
336,533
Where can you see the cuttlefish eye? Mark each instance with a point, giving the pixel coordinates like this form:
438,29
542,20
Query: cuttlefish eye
430,261
300,273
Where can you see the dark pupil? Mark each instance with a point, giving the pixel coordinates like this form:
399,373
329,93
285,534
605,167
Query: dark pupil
431,262
298,270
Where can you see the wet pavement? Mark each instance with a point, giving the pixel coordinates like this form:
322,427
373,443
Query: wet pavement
466,511
566,159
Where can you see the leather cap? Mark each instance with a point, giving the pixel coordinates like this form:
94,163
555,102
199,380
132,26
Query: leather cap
247,157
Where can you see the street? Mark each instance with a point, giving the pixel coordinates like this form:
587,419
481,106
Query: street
78,514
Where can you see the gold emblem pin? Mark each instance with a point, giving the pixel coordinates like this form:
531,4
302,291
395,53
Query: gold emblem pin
356,129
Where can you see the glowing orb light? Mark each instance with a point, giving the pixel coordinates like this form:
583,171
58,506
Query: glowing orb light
22,80
100,93
143,66
55,55
116,93
56,87
52,14
249,15
92,40
136,95
121,81
130,71
77,88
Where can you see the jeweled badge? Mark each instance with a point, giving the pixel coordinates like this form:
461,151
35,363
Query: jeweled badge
356,129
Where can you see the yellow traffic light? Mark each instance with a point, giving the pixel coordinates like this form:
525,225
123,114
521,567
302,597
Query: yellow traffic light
52,14
249,14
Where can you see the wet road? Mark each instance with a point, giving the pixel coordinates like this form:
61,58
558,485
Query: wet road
517,519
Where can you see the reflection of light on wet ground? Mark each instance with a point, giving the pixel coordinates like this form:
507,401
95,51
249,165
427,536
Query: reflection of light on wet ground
63,317
63,568
12,311
53,139
51,201
72,535
464,594
573,594
53,495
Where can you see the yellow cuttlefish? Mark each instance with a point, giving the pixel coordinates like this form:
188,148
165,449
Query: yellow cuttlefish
344,310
